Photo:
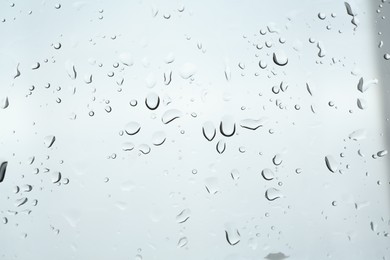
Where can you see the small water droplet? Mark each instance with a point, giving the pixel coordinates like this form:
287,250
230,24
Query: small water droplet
322,16
35,66
221,146
57,46
187,70
49,140
126,59
133,102
272,194
268,174
331,163
227,127
56,177
209,130
277,159
132,128
127,146
183,216
386,56
280,58
4,103
182,242
382,153
253,124
3,168
158,138
152,101
235,174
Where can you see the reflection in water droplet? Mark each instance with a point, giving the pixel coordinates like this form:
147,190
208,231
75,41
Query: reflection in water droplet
182,242
183,216
331,163
272,194
209,130
49,140
221,146
170,115
132,128
3,168
268,174
152,101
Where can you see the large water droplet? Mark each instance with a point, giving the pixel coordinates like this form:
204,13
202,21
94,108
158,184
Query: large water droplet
152,101
331,163
268,174
144,148
227,127
280,58
183,216
272,194
170,115
232,236
381,153
56,177
209,130
3,168
159,138
49,140
132,128
221,146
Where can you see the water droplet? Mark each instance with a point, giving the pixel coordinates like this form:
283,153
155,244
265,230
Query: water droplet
35,66
235,174
132,128
57,45
133,102
357,135
280,58
268,174
49,140
152,101
277,160
21,202
88,78
126,59
3,168
321,50
170,115
263,64
322,16
127,146
334,203
5,220
227,127
253,124
276,256
361,103
144,148
183,216
56,177
386,56
57,6
187,70
209,130
159,138
167,78
17,74
272,194
382,153
331,163
27,188
182,242
232,236
221,146
4,103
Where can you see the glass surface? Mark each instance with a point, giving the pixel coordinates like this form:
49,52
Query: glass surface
204,130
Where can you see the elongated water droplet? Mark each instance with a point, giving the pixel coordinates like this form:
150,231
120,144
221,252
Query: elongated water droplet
209,130
88,78
56,177
182,242
321,50
21,202
3,168
127,146
17,73
276,256
280,58
132,128
71,70
232,236
167,78
221,146
227,127
382,153
49,140
253,124
268,174
152,101
4,103
159,138
272,194
361,103
183,216
331,163
170,115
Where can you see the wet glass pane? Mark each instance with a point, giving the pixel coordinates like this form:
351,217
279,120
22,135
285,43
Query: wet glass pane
204,130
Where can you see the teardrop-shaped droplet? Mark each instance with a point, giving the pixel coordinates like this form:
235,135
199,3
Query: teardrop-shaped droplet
268,174
71,70
55,177
159,138
132,128
209,130
221,146
227,127
253,124
170,115
182,242
144,148
381,153
331,163
49,140
127,146
4,103
280,58
232,236
272,194
277,160
3,168
183,216
152,101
